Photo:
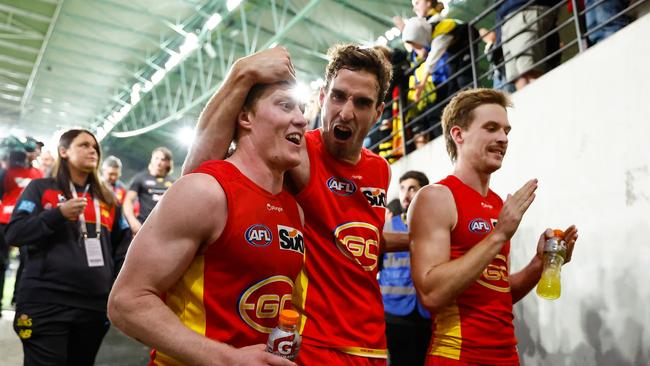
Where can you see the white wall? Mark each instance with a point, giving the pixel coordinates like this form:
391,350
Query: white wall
584,131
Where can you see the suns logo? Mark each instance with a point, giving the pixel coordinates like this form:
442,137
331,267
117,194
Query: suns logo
479,226
341,186
359,241
376,196
291,239
496,276
260,305
258,235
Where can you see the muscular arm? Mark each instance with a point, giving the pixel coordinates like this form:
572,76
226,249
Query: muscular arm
159,255
432,216
439,280
216,127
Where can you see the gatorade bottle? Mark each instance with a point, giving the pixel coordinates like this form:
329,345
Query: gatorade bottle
284,340
549,286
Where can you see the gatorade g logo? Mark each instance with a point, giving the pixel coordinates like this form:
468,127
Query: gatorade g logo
341,186
258,235
480,226
495,275
359,241
291,239
285,345
260,305
376,196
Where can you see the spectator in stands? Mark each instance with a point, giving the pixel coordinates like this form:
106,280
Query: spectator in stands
602,14
111,173
494,55
148,187
388,131
520,33
429,9
408,323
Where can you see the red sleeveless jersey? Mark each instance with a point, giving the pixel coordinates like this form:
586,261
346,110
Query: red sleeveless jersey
477,327
234,291
338,293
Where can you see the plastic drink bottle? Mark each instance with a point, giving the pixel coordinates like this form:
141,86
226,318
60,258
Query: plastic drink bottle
284,340
549,286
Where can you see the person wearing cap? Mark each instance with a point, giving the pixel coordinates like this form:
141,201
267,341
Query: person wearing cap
460,234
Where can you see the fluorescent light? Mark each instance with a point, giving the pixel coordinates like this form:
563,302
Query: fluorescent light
173,60
157,76
190,44
213,21
232,4
47,100
185,135
382,41
209,50
273,44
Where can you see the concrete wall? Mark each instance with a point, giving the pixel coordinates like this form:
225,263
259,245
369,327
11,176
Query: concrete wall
584,131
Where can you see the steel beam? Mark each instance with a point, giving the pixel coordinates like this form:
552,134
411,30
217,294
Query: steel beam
18,47
25,13
16,61
203,97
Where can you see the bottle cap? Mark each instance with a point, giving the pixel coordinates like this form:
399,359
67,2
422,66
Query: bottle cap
289,317
558,233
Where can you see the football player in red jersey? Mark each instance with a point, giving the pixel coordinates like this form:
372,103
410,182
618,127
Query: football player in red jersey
459,254
226,237
342,188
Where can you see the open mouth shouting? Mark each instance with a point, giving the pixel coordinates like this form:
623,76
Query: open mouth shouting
342,132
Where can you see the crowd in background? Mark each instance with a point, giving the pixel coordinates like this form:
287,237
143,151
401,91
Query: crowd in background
438,56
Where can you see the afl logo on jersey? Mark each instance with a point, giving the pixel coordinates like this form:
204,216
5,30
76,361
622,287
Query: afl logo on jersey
258,235
480,226
260,304
376,196
341,186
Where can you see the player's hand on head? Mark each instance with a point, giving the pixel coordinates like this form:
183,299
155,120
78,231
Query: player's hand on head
256,355
514,208
270,66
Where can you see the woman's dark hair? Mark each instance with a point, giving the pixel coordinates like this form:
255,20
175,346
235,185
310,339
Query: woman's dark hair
61,171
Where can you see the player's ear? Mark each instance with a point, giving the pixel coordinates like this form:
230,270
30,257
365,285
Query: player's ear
244,119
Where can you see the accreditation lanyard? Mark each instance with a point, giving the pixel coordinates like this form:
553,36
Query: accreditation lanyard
82,217
93,246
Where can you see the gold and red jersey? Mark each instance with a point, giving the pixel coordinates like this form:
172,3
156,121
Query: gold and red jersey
337,292
234,290
477,327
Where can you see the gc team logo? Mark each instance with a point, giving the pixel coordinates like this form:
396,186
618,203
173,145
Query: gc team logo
341,186
496,275
258,235
479,226
260,305
359,241
376,196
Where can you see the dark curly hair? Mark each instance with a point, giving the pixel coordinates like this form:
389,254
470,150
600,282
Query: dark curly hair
354,57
